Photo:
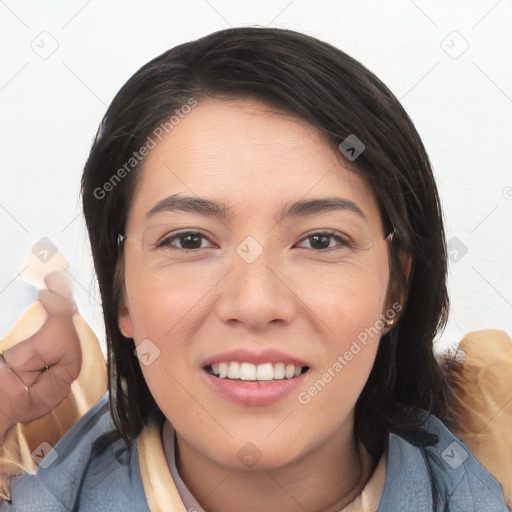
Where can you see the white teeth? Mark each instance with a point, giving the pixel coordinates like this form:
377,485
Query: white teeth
260,372
247,371
289,371
279,371
234,370
223,370
265,372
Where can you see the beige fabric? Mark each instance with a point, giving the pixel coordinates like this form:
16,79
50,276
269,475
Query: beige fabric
159,487
482,401
15,452
369,499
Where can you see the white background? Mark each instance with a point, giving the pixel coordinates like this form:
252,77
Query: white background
50,109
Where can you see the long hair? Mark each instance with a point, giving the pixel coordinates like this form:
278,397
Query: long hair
324,86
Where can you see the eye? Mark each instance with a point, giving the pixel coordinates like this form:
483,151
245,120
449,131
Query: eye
321,241
189,241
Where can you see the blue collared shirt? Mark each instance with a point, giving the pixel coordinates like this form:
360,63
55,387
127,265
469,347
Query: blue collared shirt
73,477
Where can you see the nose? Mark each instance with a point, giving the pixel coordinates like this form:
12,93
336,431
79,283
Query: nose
256,294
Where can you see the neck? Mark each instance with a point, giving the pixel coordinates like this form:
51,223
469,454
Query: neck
326,479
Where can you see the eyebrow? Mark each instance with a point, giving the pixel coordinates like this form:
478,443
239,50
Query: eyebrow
207,207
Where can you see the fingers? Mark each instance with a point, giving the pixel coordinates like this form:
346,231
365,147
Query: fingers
58,283
33,396
37,373
56,304
52,387
11,396
58,299
56,343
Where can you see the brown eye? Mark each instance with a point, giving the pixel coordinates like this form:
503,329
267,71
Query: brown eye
188,241
322,241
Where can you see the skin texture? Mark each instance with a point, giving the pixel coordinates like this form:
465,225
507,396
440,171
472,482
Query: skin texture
55,345
294,297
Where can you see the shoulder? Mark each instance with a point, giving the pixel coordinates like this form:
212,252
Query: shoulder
444,477
86,470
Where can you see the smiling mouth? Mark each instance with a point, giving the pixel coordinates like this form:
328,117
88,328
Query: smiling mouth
234,370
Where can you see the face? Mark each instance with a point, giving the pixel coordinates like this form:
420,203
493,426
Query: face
287,299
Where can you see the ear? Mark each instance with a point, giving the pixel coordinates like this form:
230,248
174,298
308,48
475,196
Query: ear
406,264
396,296
125,322
406,261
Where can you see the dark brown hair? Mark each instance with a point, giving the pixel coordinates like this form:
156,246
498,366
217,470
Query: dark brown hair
322,85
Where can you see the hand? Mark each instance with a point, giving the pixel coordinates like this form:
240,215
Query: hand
37,373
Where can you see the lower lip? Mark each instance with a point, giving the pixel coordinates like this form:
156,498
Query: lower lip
254,393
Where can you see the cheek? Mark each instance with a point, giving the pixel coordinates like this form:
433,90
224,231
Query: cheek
350,312
347,300
159,306
349,307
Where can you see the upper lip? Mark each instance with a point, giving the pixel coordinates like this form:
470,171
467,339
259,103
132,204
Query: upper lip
244,355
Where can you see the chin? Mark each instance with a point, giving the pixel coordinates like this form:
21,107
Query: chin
256,455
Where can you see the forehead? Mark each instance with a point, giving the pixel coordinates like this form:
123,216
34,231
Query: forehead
245,154
240,132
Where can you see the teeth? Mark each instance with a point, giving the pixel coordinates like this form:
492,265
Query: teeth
223,370
261,372
279,371
234,370
289,371
247,371
265,372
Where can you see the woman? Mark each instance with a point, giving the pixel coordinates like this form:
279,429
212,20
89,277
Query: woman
268,241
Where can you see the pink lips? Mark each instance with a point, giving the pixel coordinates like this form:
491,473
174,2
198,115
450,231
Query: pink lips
253,393
269,355
249,392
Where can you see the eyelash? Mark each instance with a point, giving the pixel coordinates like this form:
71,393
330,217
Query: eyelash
343,241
